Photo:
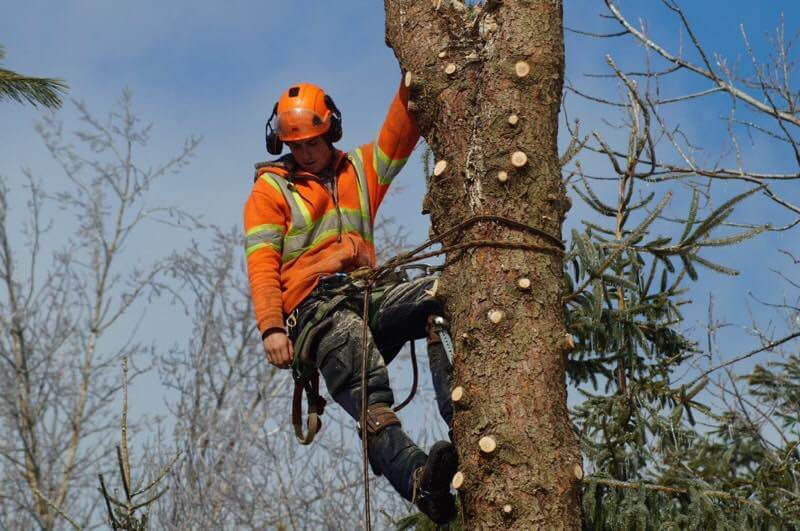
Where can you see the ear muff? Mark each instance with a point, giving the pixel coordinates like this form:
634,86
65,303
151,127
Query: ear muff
334,134
274,144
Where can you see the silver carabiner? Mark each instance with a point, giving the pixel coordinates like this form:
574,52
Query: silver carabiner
291,321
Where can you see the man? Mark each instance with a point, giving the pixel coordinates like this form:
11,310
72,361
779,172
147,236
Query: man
309,220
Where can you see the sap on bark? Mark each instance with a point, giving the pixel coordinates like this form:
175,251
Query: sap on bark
496,316
524,283
487,444
439,168
569,343
450,69
458,480
522,69
519,159
502,176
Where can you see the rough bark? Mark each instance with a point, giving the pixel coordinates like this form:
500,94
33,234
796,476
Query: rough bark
512,371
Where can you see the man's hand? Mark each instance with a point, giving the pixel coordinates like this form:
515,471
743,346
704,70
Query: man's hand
280,351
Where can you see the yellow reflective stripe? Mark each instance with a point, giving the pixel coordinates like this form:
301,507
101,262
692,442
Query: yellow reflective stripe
386,167
320,239
325,235
264,228
270,180
353,220
297,238
253,248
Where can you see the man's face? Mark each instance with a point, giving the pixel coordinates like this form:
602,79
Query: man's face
312,155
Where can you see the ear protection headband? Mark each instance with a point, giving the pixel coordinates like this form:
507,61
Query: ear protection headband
333,134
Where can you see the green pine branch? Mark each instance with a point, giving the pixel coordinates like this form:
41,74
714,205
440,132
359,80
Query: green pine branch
37,91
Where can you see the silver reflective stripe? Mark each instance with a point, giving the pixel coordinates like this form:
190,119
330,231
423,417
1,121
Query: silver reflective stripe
384,166
299,241
264,236
357,158
300,215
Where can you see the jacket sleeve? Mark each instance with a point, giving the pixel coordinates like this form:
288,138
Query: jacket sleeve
384,158
265,222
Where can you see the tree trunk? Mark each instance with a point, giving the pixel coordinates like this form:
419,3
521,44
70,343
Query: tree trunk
471,69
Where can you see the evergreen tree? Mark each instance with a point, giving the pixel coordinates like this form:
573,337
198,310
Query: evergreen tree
33,90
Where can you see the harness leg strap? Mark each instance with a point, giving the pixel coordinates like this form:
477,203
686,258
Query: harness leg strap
379,417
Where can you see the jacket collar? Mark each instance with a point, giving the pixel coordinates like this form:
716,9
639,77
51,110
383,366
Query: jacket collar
286,167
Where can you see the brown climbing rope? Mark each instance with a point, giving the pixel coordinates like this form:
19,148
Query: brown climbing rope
364,455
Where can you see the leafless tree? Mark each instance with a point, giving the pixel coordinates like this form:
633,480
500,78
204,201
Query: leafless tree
69,290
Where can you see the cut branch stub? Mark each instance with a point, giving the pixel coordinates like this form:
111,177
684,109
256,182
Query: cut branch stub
487,444
519,159
577,470
408,79
442,54
457,396
458,480
513,120
502,176
522,69
496,316
507,509
524,283
450,69
439,168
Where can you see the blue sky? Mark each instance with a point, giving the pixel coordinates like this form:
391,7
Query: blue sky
214,70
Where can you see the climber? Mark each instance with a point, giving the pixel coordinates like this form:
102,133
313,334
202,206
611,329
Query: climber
308,223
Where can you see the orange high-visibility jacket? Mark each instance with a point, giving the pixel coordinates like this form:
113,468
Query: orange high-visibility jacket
296,231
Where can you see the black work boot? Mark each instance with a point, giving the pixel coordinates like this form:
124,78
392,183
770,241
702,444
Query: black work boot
432,483
393,454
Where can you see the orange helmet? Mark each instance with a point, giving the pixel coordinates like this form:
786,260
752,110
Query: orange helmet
302,112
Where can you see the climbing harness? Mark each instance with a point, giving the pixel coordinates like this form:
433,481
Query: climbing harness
333,292
305,373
